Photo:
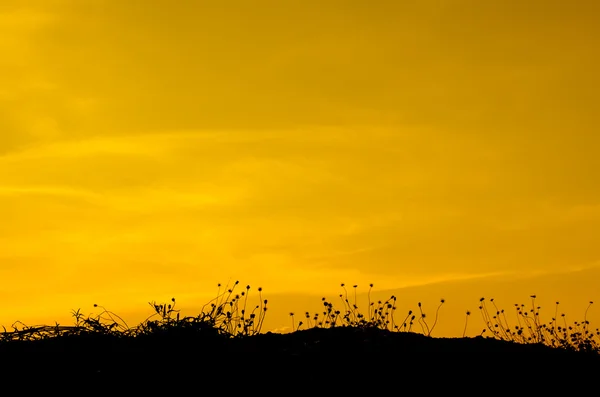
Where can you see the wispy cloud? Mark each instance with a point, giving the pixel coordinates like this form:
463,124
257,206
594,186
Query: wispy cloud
48,191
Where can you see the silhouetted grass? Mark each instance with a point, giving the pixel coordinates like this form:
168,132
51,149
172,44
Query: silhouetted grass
228,315
104,348
530,328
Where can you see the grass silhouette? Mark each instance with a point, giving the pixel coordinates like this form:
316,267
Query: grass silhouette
105,347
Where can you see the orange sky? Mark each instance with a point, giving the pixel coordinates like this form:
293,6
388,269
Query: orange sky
151,149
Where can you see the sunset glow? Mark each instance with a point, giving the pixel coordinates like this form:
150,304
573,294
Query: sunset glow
438,149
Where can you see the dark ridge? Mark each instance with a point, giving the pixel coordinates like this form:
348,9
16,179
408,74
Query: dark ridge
302,356
222,352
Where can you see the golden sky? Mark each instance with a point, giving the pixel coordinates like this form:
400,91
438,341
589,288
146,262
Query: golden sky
155,148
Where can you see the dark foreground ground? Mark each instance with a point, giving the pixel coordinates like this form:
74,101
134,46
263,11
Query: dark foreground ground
338,361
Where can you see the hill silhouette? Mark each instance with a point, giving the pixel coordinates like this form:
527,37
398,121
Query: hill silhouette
222,350
275,361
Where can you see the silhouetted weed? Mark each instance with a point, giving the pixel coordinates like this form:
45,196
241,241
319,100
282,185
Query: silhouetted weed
230,316
530,328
